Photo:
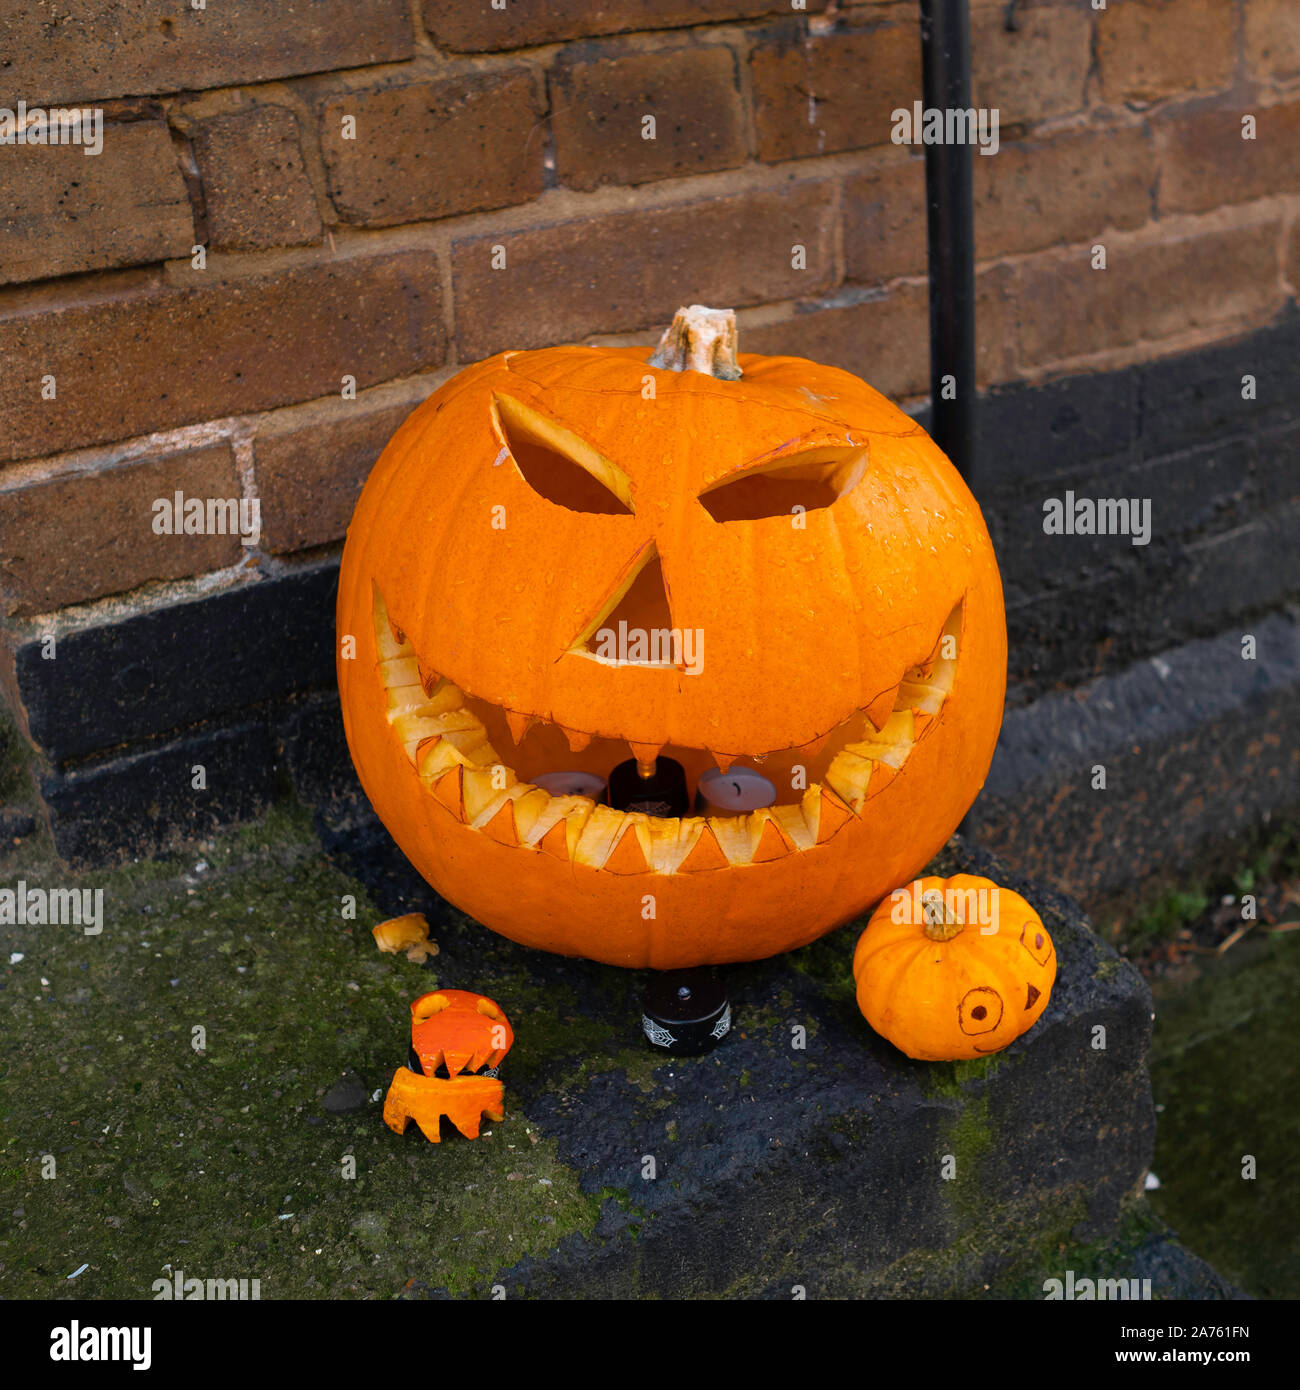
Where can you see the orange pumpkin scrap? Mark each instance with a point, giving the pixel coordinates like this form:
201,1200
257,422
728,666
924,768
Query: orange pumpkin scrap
426,1099
951,969
460,1032
409,933
571,556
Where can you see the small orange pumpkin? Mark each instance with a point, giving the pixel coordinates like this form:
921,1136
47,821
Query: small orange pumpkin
829,567
952,969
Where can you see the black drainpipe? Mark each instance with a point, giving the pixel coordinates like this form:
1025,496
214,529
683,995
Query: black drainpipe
945,65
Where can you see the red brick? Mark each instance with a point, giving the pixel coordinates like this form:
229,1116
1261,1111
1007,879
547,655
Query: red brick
1036,71
1272,38
633,270
432,149
1033,194
1293,254
255,188
1204,162
138,352
310,463
77,536
885,339
884,222
1201,281
63,211
835,92
598,104
92,49
1149,49
473,26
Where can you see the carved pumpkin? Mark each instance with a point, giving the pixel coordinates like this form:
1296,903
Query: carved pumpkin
518,564
951,969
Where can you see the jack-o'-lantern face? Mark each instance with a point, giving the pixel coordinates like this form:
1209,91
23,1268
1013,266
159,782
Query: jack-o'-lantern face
952,969
570,557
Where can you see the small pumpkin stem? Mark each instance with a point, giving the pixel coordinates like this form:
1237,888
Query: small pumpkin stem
699,340
938,922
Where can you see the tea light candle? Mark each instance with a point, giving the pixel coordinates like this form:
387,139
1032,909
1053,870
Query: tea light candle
736,792
572,784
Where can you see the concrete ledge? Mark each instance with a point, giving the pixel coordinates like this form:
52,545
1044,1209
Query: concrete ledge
1197,745
822,1166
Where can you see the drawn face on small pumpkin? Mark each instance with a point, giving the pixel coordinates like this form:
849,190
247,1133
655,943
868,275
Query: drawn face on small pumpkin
818,600
458,1030
983,977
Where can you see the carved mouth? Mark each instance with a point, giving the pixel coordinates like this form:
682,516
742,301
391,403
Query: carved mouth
451,738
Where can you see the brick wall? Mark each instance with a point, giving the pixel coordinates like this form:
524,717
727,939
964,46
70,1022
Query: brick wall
132,367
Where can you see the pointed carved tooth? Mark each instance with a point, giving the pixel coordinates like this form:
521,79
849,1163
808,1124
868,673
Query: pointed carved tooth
919,695
794,825
598,835
399,671
767,838
484,786
412,726
848,777
501,827
677,838
556,841
450,790
667,849
519,725
647,753
881,707
577,739
629,853
922,721
405,699
825,812
705,854
733,837
570,814
528,808
724,760
388,640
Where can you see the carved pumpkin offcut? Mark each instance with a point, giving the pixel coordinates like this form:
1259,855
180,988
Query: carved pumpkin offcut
571,556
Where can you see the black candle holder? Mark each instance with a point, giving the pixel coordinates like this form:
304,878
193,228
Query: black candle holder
685,1012
663,793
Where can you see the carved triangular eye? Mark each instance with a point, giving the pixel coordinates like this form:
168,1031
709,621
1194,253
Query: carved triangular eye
558,465
808,480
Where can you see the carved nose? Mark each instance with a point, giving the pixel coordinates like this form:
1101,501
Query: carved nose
635,628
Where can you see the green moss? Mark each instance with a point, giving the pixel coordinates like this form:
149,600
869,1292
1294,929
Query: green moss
1224,1072
223,1162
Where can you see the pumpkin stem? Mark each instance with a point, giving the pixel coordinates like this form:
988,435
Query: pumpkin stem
938,921
699,340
